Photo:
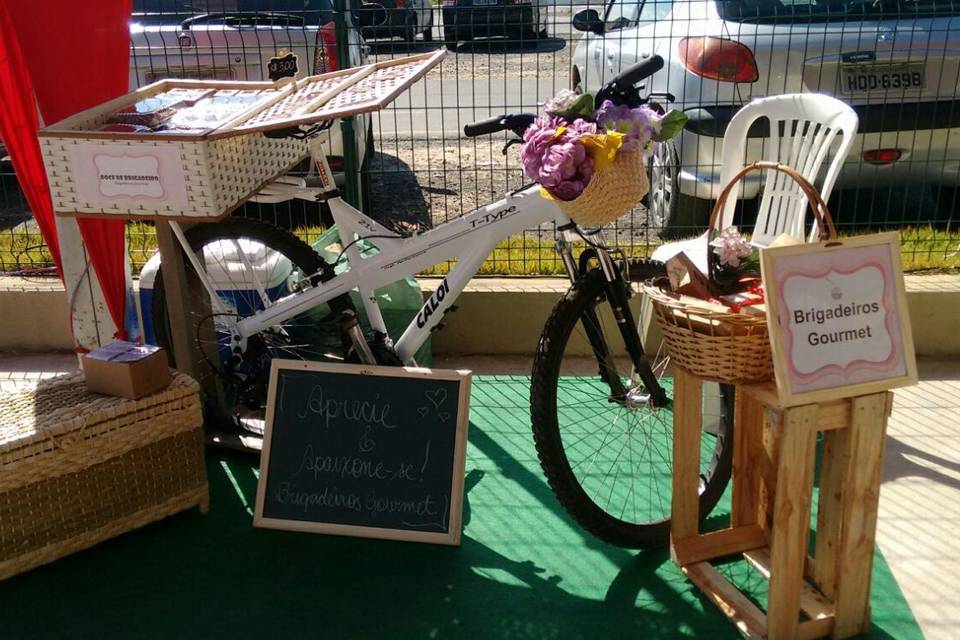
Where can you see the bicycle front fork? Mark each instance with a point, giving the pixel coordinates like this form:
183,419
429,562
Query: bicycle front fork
618,295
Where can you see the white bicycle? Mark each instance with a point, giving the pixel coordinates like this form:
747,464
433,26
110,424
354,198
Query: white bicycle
602,424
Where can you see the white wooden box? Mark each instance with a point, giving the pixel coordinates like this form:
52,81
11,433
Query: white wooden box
205,174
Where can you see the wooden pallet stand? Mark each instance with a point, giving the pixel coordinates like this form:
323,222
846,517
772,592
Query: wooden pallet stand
773,467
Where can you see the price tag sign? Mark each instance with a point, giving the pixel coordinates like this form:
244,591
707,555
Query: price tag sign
838,318
283,65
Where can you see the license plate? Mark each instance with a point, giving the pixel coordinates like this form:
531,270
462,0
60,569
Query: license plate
868,78
484,3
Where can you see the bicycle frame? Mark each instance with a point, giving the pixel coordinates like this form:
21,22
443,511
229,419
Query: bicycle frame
469,238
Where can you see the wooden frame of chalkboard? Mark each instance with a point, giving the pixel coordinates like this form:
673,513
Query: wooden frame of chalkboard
366,465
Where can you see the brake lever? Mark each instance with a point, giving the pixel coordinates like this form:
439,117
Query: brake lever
510,143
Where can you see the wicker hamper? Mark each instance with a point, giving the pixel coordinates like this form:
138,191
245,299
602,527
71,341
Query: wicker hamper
78,468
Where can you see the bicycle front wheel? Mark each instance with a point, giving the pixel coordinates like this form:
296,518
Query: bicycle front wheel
251,265
608,458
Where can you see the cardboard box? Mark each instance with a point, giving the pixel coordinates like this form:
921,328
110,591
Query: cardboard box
126,369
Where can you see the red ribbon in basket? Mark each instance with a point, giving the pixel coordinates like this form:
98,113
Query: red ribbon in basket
756,295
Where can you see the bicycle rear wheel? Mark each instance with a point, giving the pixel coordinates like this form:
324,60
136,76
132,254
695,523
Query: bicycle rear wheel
609,459
252,265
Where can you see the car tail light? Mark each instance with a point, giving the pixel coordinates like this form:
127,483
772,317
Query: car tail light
401,4
882,156
325,58
719,59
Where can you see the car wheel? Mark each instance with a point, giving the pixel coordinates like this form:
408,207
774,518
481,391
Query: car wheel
450,38
671,213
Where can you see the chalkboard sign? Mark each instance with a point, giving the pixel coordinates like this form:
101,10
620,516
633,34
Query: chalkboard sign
362,450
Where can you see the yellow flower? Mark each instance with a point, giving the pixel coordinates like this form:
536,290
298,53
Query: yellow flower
602,148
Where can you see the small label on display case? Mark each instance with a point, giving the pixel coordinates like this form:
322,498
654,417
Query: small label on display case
120,174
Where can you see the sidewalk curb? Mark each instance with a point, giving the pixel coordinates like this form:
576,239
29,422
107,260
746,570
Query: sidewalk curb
494,315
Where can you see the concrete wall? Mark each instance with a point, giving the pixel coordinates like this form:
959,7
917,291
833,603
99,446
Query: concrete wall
494,316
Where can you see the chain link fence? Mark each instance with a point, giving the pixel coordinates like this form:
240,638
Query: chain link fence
896,61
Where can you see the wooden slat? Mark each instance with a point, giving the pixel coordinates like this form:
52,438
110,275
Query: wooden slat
810,629
861,493
186,300
718,544
835,453
767,467
744,614
747,451
765,393
813,603
834,415
791,519
685,516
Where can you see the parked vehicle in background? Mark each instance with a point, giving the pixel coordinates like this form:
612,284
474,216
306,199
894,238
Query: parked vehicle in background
464,20
214,39
404,19
896,63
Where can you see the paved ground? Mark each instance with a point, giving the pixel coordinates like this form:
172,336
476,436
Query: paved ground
919,519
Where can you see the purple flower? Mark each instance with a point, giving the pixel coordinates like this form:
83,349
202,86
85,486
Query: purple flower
560,162
637,125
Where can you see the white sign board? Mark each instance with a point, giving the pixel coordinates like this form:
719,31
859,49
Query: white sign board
838,318
125,175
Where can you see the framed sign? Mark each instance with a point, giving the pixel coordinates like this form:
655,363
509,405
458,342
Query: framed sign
838,318
367,451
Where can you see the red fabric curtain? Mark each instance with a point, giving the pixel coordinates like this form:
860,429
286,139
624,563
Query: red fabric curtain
77,56
18,129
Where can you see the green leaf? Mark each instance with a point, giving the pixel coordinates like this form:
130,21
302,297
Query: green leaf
671,124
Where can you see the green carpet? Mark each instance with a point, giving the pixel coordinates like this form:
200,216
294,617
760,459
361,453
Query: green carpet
524,569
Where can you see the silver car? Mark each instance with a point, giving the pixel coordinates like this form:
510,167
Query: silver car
896,61
169,40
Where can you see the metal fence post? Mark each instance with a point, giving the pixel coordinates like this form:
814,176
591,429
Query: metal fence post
342,24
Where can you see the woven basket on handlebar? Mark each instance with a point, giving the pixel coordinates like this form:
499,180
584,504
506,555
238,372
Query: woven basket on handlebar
611,192
724,346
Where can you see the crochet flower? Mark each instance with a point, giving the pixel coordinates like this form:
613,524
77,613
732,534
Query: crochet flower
561,102
639,126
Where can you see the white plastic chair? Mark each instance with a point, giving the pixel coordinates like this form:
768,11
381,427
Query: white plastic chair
802,129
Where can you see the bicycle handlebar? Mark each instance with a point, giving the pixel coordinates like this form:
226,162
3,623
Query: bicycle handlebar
640,71
515,122
620,90
483,127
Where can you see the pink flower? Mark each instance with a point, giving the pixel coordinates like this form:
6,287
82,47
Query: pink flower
731,247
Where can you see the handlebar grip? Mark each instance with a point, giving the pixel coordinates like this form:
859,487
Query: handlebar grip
483,127
636,73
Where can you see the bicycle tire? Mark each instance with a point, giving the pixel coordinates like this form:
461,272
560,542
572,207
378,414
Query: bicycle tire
557,458
301,257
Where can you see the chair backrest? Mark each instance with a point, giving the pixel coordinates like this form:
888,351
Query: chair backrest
802,129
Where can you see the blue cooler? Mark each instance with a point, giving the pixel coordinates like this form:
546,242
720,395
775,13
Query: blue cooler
274,269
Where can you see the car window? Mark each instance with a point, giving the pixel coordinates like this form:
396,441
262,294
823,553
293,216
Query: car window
628,13
767,11
186,8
